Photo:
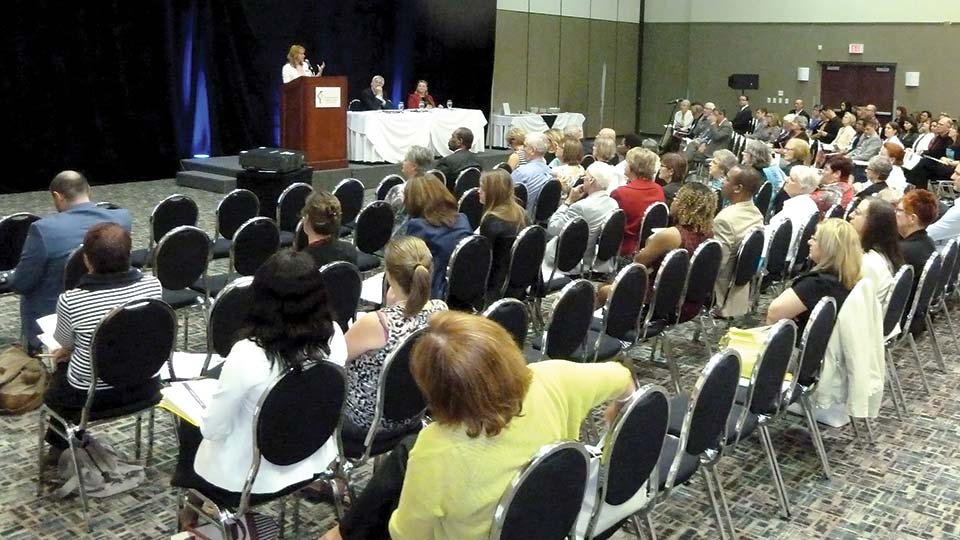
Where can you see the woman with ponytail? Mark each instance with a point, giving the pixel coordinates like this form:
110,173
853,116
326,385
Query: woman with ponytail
409,267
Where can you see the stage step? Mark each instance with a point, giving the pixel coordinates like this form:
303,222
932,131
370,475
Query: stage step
225,165
216,183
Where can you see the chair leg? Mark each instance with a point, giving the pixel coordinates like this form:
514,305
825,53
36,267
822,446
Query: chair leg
937,353
895,381
186,327
774,469
138,437
953,330
72,441
715,472
856,430
714,504
671,363
871,438
40,434
282,517
815,434
651,534
296,516
918,362
150,425
893,391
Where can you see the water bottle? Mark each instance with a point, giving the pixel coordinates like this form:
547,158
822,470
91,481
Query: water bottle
449,103
400,106
423,104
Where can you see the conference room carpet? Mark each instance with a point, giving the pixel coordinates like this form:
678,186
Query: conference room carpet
906,486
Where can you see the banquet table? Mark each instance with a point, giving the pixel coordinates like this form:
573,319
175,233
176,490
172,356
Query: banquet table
385,136
501,123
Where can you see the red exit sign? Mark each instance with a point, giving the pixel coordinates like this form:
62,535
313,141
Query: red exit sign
855,48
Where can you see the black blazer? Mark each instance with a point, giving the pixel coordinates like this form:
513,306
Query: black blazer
451,165
370,101
742,122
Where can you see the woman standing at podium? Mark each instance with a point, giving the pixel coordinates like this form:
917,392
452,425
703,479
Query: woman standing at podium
298,66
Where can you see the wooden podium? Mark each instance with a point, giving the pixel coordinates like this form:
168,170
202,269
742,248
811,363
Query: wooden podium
314,121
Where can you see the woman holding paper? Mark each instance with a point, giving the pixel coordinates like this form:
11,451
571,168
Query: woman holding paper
290,324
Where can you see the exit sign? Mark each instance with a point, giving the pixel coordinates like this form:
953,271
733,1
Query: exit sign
856,48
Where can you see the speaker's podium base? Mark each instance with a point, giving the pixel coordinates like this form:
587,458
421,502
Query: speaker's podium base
328,164
269,185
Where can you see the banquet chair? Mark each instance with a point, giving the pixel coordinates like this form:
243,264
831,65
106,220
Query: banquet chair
503,166
656,216
939,302
617,328
566,331
587,161
512,314
778,250
547,202
170,213
801,257
762,200
74,269
468,178
662,313
467,273
13,235
373,231
918,311
342,282
349,192
523,268
520,193
180,258
748,266
896,307
608,244
289,207
385,185
254,242
438,174
226,320
698,289
471,207
235,209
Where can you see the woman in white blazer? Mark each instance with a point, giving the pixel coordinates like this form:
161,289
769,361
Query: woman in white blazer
876,222
290,324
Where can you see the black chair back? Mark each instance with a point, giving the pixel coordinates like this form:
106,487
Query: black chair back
625,302
350,194
467,272
254,242
300,239
548,201
13,234
512,315
74,270
710,402
520,193
399,397
813,344
587,161
570,320
949,260
571,245
668,286
228,316
374,227
926,288
803,242
503,166
656,216
235,209
355,105
704,268
899,297
526,256
779,250
835,211
611,235
132,342
343,283
471,207
763,197
468,178
290,204
181,257
440,176
172,212
108,205
748,257
387,184
544,499
952,282
766,382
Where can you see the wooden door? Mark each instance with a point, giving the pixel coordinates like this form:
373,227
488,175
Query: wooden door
859,84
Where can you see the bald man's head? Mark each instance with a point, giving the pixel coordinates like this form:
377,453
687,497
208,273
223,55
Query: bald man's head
69,188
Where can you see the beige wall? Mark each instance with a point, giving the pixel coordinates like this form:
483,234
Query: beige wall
694,59
555,60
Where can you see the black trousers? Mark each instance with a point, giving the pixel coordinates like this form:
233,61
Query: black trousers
68,401
926,170
369,515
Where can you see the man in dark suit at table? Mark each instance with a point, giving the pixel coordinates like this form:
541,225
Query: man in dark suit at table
373,98
38,278
462,158
743,121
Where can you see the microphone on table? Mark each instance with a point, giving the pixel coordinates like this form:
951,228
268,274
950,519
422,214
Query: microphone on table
674,102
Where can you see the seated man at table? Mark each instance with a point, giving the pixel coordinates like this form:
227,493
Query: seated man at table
534,174
372,98
461,141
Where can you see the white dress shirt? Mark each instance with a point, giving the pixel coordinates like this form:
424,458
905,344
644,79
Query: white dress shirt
922,143
897,180
226,453
290,73
682,120
946,228
595,208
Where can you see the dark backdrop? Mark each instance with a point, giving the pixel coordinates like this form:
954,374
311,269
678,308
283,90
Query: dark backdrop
122,90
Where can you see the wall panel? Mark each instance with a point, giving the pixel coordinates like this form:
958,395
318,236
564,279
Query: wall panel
543,61
603,67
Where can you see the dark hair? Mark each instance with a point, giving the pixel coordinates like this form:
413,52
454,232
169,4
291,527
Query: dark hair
841,164
632,140
465,136
721,110
923,204
880,231
748,178
913,124
677,164
107,248
290,317
70,184
322,212
893,124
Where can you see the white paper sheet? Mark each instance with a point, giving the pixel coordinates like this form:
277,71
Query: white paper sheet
372,289
188,365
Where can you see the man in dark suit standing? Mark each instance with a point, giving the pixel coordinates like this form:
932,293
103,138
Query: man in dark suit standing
743,121
38,277
373,98
798,109
462,158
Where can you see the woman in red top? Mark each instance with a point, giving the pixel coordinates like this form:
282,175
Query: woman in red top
420,94
639,193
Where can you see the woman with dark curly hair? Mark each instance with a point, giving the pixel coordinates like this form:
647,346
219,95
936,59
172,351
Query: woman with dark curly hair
692,214
290,325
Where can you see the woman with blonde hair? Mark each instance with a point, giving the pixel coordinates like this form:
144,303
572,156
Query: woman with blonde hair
795,152
502,220
605,150
554,140
846,134
407,308
435,219
298,66
515,138
837,256
567,168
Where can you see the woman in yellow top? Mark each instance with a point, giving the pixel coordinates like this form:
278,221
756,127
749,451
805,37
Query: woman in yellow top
491,414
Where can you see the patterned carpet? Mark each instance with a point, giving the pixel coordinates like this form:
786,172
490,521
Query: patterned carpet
906,486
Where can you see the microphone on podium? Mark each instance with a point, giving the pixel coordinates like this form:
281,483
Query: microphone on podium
674,102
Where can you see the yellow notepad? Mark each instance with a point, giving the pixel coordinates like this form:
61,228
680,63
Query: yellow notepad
189,399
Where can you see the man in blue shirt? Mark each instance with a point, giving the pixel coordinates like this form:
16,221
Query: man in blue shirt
38,277
534,174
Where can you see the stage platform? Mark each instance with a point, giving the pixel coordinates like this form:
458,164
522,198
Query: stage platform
219,174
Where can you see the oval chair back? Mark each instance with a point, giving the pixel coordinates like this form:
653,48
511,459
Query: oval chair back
181,257
174,211
668,287
228,317
571,245
290,204
467,273
948,261
13,234
511,314
622,312
610,237
526,256
524,512
503,166
587,161
710,402
779,250
656,216
468,178
374,227
570,320
548,201
440,176
471,207
74,269
235,209
520,193
349,192
387,184
254,243
748,258
926,287
763,197
766,381
899,298
803,243
702,274
836,211
343,284
813,344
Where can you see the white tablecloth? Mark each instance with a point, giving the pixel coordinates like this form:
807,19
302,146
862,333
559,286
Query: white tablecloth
501,123
378,136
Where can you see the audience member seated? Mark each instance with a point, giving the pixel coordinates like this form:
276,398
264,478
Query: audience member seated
875,220
720,166
415,163
568,169
639,193
491,413
908,131
554,140
869,144
795,152
605,150
372,98
534,174
701,119
730,227
948,226
896,179
814,120
846,134
924,137
878,170
110,283
673,170
794,127
407,308
757,155
932,169
837,256
290,325
503,219
915,212
829,127
799,205
718,135
38,277
515,139
435,220
835,185
630,141
890,133
683,118
768,129
460,143
590,201
421,95
321,222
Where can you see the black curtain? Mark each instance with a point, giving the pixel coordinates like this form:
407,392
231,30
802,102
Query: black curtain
122,90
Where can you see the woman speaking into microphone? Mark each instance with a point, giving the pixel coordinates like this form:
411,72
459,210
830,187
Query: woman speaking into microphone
298,66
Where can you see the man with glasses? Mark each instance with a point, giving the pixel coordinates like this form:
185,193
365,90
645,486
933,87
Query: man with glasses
534,174
929,169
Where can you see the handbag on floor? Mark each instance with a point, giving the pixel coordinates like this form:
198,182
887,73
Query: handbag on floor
23,379
104,474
